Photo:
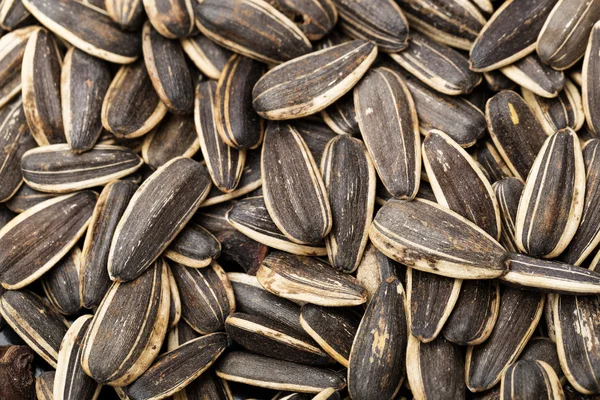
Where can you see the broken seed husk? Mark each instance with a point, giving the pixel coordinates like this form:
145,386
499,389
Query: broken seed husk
172,19
508,192
194,247
174,137
530,73
61,284
209,57
530,379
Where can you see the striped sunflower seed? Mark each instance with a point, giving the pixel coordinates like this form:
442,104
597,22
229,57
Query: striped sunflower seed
393,143
315,18
207,387
340,117
326,75
35,240
288,168
309,280
207,56
174,137
128,14
531,73
180,334
508,193
44,385
335,37
194,247
157,212
426,236
272,39
530,379
378,356
62,284
590,91
71,382
316,135
552,203
140,310
87,29
375,268
544,349
12,14
172,19
175,301
57,169
39,325
12,50
26,198
491,163
497,81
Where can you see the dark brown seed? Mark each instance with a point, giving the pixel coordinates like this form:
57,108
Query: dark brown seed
128,14
34,241
497,81
510,34
519,314
516,132
39,325
379,21
172,19
340,117
508,193
87,29
209,57
553,197
335,37
378,357
44,385
387,118
530,379
589,88
57,169
41,88
309,84
252,28
206,387
316,135
26,198
309,280
544,349
157,212
84,82
168,71
489,159
315,18
174,137
138,312
5,216
375,268
428,237
12,14
531,73
289,169
194,247
131,106
61,284
12,50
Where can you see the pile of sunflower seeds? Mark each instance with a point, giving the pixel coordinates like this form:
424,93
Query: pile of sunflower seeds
302,199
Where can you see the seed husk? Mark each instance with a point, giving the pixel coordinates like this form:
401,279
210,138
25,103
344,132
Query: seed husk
381,22
83,84
12,50
128,14
438,66
530,73
71,382
589,89
497,81
455,23
131,106
140,310
236,121
510,34
436,369
316,135
325,76
375,268
250,217
508,193
549,315
180,334
553,197
61,284
174,137
350,180
489,159
563,38
375,364
44,385
519,314
209,57
206,387
393,143
276,374
206,296
12,14
309,280
577,335
168,71
26,197
340,117
57,169
516,132
39,325
530,379
315,18
288,169
172,19
423,235
87,29
175,301
176,369
5,216
194,247
157,212
35,240
544,349
269,338
252,28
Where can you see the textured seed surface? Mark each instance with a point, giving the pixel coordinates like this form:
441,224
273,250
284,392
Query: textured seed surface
62,284
194,247
531,73
530,378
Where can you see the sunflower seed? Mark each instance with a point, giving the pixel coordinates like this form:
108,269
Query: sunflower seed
194,247
288,168
562,41
44,385
375,268
131,106
40,326
340,117
508,193
316,135
206,296
575,73
175,301
309,280
530,73
325,76
591,91
12,50
549,315
139,310
207,387
382,22
172,19
5,216
157,212
34,241
235,120
335,37
491,162
436,369
530,379
71,382
378,356
428,237
26,198
510,34
275,374
128,14
174,137
497,81
393,143
252,28
544,349
57,169
551,204
516,132
61,284
209,57
250,216
315,18
519,314
12,14
87,29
